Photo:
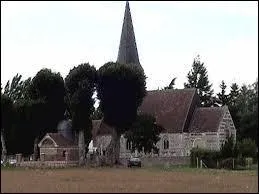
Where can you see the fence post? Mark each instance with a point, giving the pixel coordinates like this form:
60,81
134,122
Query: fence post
197,162
201,163
233,164
217,164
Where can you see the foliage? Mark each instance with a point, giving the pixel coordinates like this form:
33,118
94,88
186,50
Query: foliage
222,96
209,157
171,85
227,149
121,89
198,78
80,83
48,88
247,148
144,133
97,114
18,89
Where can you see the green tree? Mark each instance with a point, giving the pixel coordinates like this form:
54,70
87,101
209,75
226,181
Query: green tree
247,148
6,121
18,89
198,78
47,93
233,103
121,89
222,96
248,112
80,84
144,133
227,149
171,85
97,114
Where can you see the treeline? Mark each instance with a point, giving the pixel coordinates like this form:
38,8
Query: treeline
30,108
242,100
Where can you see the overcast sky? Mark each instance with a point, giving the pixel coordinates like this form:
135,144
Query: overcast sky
61,35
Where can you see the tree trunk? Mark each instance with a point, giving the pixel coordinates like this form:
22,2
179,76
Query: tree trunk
35,149
4,150
113,149
81,147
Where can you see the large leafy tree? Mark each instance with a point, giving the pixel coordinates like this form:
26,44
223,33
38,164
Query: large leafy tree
121,89
198,78
47,92
80,84
144,133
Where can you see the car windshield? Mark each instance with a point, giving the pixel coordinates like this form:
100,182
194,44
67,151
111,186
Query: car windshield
135,159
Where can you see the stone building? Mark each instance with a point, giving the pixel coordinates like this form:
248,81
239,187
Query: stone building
55,147
178,111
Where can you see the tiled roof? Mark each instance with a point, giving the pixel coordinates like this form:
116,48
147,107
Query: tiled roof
206,119
170,107
60,140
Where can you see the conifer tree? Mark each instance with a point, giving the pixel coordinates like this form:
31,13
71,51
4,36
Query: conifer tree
198,78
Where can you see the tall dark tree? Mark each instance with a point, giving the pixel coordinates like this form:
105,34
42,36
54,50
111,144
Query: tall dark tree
80,84
198,78
144,133
248,112
6,121
121,89
222,96
48,91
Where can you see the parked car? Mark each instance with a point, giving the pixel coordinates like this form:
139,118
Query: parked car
12,161
134,161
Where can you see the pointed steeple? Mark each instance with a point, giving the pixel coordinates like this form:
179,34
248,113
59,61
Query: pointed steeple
128,52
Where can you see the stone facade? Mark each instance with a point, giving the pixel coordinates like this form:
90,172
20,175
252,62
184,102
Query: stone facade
180,144
55,147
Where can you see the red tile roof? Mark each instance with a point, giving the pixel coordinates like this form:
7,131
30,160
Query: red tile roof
60,140
206,119
170,107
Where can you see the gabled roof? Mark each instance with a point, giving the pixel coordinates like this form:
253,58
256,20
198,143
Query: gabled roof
170,107
206,119
58,140
128,52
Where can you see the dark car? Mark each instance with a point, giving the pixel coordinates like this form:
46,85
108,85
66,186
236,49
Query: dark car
134,162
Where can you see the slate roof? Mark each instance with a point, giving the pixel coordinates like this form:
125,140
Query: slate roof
206,119
170,107
59,139
128,52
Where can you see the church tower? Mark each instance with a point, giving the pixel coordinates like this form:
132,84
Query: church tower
128,52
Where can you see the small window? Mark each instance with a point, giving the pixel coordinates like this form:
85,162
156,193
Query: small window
166,144
128,145
103,152
64,153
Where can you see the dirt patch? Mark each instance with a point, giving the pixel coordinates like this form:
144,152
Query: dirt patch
127,180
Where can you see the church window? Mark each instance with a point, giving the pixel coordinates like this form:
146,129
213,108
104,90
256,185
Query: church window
128,145
166,144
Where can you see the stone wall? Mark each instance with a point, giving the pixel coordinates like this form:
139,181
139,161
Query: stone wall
47,164
166,161
56,154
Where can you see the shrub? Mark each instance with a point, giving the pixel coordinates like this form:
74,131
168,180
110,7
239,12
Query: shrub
247,148
209,157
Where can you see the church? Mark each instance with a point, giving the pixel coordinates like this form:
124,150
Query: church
178,111
186,124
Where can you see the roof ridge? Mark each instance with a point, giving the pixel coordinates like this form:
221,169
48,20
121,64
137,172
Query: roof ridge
189,106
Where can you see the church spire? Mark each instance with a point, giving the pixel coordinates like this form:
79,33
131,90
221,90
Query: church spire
128,52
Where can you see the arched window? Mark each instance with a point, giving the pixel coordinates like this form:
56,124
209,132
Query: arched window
166,144
128,145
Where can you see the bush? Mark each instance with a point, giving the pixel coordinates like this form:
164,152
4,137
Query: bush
209,157
247,148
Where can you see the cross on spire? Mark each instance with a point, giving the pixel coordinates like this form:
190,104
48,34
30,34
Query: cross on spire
128,52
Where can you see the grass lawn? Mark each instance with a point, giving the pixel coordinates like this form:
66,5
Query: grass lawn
146,179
